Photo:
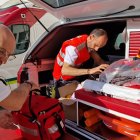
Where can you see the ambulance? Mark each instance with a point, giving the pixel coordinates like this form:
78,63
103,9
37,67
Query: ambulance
27,22
91,115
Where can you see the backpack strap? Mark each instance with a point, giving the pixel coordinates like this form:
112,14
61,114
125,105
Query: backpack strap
34,117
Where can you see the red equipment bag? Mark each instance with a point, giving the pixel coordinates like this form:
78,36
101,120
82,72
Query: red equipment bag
40,118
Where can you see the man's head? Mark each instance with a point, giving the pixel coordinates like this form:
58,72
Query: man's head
97,39
7,43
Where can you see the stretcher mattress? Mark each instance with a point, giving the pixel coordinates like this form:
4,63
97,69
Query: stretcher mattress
109,104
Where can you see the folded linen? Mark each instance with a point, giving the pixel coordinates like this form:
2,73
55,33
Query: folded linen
119,92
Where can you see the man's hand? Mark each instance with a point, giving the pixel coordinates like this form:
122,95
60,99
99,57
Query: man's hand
31,85
6,120
34,86
98,70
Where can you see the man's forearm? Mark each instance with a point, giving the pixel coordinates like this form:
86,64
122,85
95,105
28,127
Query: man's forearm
71,71
97,59
74,71
17,98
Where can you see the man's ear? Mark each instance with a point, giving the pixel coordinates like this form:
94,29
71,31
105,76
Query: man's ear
91,37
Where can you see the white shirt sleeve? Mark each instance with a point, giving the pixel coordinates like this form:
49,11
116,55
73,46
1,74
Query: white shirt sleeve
70,55
4,91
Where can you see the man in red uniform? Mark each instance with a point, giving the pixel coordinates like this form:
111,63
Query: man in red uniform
78,50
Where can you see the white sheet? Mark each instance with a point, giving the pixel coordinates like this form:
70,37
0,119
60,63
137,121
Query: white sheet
120,92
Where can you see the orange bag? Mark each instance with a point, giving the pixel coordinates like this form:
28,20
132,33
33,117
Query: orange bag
123,126
92,120
90,112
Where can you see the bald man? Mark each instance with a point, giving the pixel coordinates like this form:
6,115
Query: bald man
10,100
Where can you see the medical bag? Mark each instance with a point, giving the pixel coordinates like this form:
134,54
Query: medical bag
40,118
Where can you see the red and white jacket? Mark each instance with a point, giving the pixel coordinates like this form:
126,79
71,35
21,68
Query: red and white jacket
82,51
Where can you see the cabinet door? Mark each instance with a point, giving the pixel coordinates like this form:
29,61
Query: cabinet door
133,43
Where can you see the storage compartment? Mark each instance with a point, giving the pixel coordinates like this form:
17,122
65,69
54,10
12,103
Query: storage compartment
98,126
45,76
40,72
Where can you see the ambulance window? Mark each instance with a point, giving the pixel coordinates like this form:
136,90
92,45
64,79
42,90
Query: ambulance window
61,3
22,36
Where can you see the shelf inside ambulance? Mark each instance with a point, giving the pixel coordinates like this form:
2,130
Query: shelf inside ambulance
121,108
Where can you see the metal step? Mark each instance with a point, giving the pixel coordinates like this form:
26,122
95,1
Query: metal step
81,133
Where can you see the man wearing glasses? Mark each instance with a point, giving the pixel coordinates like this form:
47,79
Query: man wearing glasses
10,100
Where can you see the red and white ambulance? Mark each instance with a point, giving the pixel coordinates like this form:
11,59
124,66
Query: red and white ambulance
117,119
27,22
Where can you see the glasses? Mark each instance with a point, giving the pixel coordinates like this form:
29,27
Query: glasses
5,53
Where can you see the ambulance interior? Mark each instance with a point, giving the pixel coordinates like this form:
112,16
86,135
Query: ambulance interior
40,63
49,47
51,44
